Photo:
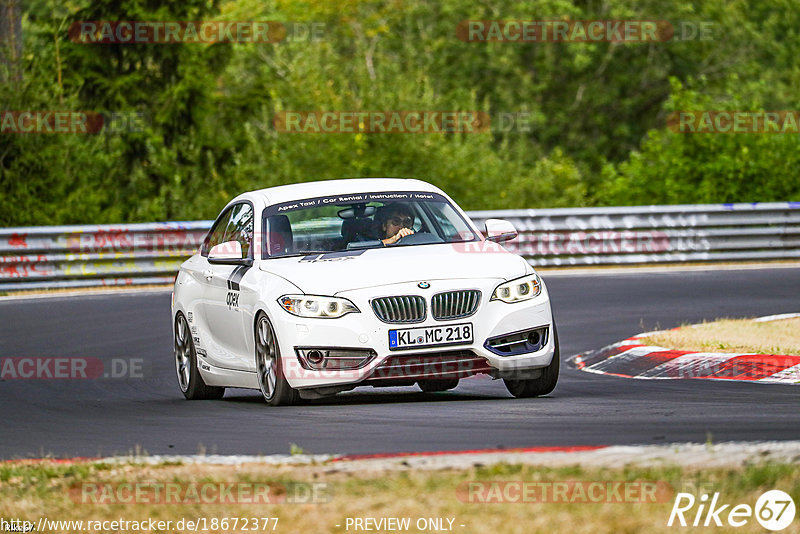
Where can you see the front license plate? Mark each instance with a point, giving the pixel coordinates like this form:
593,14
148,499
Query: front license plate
430,336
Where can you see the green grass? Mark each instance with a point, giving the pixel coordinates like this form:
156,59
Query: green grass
29,491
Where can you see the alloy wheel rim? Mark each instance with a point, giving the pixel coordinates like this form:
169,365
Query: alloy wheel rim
267,354
183,353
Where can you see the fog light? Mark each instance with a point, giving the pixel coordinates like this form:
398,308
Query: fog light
524,341
334,359
315,357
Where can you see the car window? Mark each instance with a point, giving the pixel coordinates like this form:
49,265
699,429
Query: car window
240,227
217,233
446,220
316,228
342,222
235,224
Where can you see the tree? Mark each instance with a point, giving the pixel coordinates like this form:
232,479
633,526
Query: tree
10,40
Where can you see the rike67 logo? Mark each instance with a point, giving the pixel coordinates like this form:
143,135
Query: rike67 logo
774,510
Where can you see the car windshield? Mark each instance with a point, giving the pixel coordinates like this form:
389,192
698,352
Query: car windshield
357,221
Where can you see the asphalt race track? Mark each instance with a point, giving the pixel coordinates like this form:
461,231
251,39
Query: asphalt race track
115,416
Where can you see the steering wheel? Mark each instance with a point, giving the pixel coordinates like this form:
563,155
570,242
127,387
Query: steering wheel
419,238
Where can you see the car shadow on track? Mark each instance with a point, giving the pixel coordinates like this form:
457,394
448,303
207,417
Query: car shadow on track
370,397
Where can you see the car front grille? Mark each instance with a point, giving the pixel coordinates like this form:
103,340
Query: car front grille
402,309
455,304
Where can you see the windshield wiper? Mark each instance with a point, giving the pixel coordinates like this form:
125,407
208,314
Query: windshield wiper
305,253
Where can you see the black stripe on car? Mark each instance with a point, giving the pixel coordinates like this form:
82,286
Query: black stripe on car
236,277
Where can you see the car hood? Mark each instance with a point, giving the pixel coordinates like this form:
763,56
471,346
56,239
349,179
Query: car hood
329,274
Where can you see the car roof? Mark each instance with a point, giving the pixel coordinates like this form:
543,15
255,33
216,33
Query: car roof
286,193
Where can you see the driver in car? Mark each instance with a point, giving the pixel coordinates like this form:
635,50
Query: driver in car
396,221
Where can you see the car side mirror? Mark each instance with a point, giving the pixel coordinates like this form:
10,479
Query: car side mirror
498,230
227,252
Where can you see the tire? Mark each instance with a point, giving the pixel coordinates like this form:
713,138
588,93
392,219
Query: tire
269,368
432,385
189,379
543,385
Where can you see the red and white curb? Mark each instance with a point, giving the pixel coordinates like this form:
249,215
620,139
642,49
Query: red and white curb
730,454
634,358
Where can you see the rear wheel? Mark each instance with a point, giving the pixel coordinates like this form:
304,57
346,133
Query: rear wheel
543,385
271,379
189,379
431,385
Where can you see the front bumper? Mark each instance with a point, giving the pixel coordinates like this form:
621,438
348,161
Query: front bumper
365,332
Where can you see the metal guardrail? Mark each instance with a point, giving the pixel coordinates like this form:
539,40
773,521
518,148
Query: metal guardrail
98,255
112,255
654,234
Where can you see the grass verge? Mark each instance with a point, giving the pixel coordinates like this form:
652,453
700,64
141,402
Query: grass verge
734,335
57,492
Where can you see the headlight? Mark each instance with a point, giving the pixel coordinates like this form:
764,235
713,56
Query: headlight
518,290
314,306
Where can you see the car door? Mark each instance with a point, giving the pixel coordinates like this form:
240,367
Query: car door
201,272
228,320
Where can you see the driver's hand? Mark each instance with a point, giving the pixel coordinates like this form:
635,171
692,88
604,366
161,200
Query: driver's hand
400,234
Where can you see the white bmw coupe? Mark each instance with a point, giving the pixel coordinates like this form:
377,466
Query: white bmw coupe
307,290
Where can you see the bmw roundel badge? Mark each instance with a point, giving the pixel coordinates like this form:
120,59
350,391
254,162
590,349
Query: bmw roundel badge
423,285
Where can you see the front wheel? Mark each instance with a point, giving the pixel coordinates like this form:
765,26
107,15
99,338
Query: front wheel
189,379
543,385
271,379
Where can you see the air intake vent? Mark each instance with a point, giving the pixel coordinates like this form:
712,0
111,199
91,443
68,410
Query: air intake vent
442,365
519,342
404,309
455,304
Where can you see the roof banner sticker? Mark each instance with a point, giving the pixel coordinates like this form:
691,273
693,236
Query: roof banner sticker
404,196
